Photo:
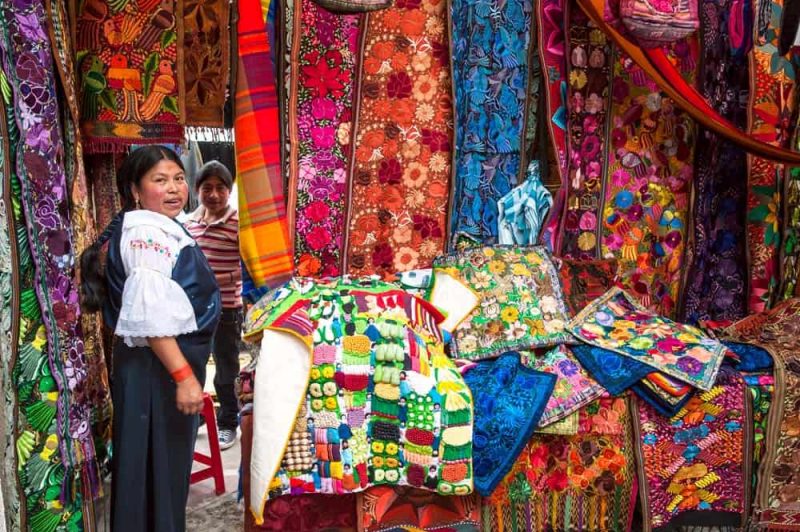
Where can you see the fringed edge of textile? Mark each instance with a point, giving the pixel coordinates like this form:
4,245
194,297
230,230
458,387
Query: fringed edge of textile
166,134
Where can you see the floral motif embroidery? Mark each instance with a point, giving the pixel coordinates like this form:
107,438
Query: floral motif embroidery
156,247
698,459
649,174
790,246
323,71
589,76
401,168
521,304
761,388
617,323
771,106
716,264
490,74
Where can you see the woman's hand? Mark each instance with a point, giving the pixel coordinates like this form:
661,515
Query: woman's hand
189,396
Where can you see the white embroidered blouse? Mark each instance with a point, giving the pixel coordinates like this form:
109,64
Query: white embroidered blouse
153,305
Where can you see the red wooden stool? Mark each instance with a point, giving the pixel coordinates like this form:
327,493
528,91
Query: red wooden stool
215,460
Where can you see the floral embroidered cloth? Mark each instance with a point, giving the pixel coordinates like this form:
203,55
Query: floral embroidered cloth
362,393
696,465
565,483
509,400
614,372
617,322
583,281
521,306
573,388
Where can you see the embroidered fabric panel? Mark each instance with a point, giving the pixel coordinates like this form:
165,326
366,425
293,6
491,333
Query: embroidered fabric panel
614,372
589,66
385,406
790,243
772,102
206,49
132,67
550,21
715,284
567,426
752,358
490,78
324,66
509,399
520,300
778,331
401,166
581,482
650,155
697,461
584,281
384,508
617,322
574,387
28,62
762,388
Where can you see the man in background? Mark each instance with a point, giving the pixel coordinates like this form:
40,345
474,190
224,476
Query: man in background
215,227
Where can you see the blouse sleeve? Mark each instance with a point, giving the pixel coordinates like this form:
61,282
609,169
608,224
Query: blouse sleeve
153,305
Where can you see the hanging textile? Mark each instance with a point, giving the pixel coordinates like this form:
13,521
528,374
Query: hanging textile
716,257
531,143
584,281
206,48
777,494
771,106
263,227
40,163
323,67
581,482
695,467
400,176
790,243
521,212
132,73
9,325
386,508
649,175
102,174
490,77
589,61
762,388
284,65
550,20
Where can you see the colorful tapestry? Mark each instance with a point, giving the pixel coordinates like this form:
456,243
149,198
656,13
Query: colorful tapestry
401,164
490,78
614,372
696,466
206,65
584,281
589,62
45,199
384,508
509,400
617,322
771,105
132,73
377,401
264,239
761,388
521,306
321,113
550,23
716,263
778,492
790,243
574,387
521,212
581,482
650,157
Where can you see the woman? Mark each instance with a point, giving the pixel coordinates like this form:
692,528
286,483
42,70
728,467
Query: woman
159,295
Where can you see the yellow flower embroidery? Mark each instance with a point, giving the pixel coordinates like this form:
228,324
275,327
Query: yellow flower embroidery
509,314
497,267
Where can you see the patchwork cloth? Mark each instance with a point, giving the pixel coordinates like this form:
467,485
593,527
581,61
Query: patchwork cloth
573,388
520,301
362,394
696,465
581,482
132,66
617,322
509,399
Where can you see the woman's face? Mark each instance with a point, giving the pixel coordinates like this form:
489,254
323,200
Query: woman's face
163,189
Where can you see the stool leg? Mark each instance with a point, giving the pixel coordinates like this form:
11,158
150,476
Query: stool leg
213,443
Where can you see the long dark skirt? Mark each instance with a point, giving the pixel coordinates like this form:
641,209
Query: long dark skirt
153,441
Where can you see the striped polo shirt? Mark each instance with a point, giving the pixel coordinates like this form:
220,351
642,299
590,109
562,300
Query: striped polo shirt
220,244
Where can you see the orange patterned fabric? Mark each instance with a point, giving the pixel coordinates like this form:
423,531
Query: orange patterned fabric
401,167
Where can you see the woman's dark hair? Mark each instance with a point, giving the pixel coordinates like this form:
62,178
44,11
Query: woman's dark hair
133,169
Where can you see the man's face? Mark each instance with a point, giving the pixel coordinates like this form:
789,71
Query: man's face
214,195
